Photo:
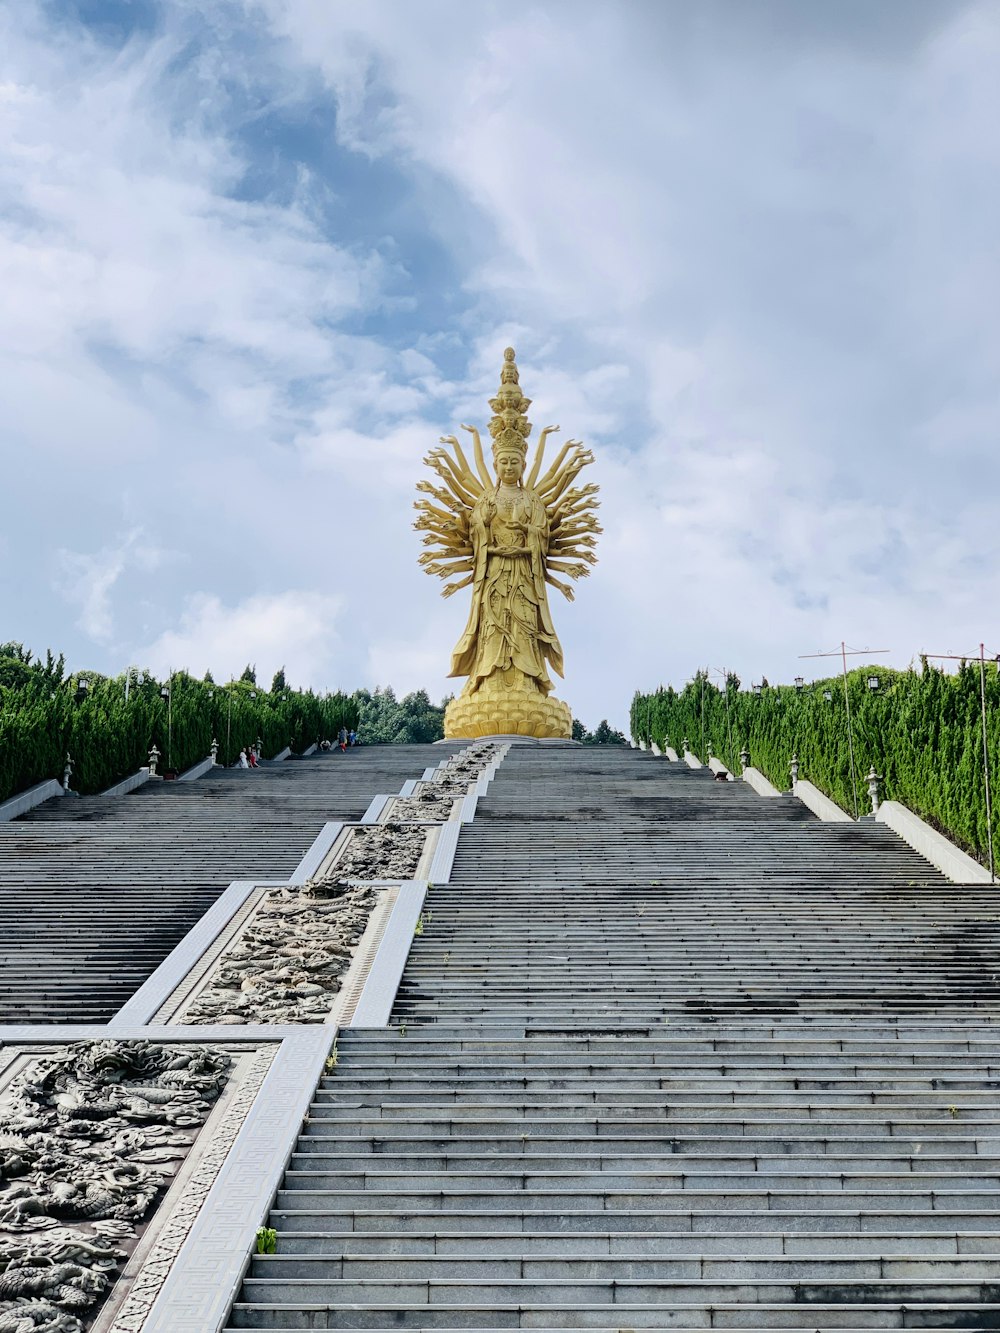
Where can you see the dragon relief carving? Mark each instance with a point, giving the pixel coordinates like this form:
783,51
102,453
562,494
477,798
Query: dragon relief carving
90,1137
288,963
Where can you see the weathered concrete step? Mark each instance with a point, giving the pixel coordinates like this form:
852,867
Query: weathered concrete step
633,1244
417,1165
606,1077
526,1268
680,1174
637,1291
698,1037
623,1120
673,1098
777,1196
579,1149
889,1220
676,1318
650,1054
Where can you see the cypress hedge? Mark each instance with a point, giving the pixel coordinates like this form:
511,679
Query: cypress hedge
920,729
44,714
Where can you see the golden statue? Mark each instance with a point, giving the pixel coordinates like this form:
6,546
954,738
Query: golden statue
509,537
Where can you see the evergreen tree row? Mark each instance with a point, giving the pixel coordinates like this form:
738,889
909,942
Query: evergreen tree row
45,714
920,730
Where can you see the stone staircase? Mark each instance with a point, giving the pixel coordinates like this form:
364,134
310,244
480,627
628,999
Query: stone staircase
666,1055
96,891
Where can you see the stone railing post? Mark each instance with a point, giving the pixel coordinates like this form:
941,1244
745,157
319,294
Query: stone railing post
154,755
793,768
67,771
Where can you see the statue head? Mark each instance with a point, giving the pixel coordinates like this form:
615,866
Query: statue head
509,464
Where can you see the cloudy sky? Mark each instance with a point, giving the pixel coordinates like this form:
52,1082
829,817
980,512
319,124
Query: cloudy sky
257,256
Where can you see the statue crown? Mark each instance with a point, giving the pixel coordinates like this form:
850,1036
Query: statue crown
509,426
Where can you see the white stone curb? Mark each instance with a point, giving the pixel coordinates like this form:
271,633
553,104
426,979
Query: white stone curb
375,808
317,853
27,800
282,754
197,770
379,993
127,784
933,846
692,760
655,748
439,871
204,1281
754,778
820,804
671,754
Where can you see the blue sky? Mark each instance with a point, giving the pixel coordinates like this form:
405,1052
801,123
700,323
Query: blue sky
258,256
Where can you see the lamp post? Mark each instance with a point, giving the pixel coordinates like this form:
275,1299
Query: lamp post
132,673
229,723
166,694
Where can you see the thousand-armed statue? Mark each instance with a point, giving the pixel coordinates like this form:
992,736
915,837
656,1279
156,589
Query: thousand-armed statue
510,536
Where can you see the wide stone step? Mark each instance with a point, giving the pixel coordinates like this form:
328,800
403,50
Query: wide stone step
627,1291
776,1196
736,1245
526,1268
618,1316
676,1174
416,1165
582,1149
894,1218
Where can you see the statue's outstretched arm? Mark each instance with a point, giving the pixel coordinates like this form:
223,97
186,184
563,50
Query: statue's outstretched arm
564,588
539,452
546,481
445,516
460,474
450,588
477,448
469,478
574,569
448,473
580,458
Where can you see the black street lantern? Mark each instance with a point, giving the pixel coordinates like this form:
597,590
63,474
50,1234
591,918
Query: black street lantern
873,682
799,682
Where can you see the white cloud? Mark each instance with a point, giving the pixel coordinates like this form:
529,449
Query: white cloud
87,581
296,629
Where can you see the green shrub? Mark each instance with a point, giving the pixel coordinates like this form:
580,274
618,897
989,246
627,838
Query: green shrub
922,731
43,715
